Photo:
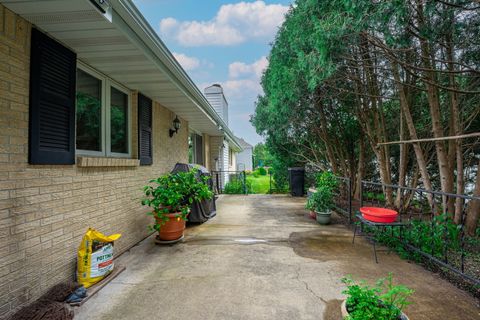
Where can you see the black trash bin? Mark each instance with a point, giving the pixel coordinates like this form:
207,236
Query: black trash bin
297,181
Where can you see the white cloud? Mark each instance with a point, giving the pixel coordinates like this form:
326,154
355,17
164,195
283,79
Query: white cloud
188,63
239,69
233,24
241,88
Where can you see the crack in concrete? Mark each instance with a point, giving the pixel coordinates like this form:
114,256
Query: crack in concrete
307,287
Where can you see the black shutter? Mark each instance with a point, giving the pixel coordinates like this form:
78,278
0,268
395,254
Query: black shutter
52,102
144,130
199,149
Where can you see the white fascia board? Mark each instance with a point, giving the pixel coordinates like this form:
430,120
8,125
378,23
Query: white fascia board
128,18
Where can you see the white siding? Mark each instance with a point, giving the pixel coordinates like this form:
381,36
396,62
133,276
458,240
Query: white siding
225,162
216,98
244,159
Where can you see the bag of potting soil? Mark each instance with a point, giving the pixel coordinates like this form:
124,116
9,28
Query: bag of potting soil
95,257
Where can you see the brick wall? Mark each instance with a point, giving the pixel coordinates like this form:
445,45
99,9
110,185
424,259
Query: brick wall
45,210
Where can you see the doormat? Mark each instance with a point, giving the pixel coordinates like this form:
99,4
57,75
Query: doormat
49,306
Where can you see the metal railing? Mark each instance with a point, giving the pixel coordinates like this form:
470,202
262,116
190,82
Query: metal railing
343,199
235,181
435,228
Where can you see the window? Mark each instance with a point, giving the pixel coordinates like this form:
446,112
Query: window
103,116
195,149
89,112
118,121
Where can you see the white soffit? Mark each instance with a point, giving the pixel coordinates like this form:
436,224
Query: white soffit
106,47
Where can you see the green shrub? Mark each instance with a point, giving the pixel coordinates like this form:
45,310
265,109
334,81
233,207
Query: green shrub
235,186
262,171
322,199
384,301
326,179
428,236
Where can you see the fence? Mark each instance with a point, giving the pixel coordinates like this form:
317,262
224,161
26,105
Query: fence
436,225
435,228
343,198
235,181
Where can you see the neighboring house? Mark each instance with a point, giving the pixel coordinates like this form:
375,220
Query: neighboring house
89,96
222,151
245,157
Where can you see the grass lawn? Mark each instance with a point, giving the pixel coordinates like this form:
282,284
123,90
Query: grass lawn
259,185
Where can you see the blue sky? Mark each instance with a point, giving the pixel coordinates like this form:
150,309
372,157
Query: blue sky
221,41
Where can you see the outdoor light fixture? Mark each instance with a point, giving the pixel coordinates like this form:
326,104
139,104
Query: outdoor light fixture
176,127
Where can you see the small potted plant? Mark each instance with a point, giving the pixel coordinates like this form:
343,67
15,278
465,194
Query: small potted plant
322,203
322,198
170,196
384,301
310,206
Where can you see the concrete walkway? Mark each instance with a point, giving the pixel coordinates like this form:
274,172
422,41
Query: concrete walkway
261,258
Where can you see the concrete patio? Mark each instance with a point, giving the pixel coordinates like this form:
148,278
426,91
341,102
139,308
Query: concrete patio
262,258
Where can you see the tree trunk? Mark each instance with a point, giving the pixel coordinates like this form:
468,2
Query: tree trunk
402,165
473,211
457,130
435,113
360,171
422,163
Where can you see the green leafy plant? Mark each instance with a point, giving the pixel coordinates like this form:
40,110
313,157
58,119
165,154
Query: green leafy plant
235,186
326,179
384,301
174,193
431,236
322,199
310,205
262,171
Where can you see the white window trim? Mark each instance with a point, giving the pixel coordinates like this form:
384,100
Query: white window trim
107,83
120,88
101,78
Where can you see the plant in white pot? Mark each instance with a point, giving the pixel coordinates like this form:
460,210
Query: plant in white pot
322,199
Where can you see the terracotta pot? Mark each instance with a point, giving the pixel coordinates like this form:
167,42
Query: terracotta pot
312,214
172,229
346,314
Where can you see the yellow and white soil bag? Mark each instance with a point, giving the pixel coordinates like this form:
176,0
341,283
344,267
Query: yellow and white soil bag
95,257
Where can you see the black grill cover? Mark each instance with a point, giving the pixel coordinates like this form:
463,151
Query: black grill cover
201,211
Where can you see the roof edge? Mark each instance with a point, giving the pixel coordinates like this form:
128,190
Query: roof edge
133,18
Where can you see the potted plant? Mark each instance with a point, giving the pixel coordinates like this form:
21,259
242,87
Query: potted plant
384,301
310,206
322,198
322,203
170,197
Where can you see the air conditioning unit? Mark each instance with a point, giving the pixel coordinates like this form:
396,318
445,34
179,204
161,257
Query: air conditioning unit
104,7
